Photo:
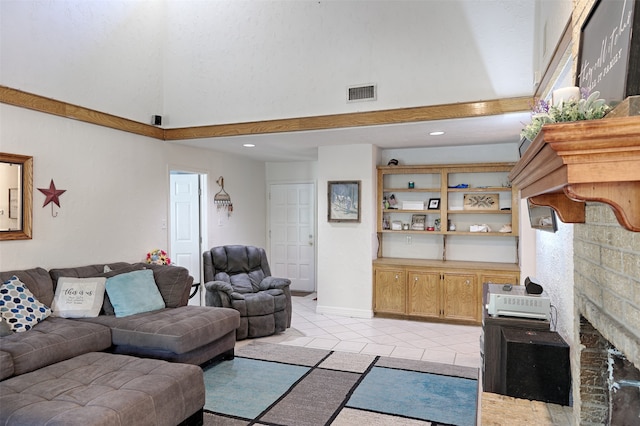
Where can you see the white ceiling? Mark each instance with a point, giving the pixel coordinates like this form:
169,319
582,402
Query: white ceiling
303,146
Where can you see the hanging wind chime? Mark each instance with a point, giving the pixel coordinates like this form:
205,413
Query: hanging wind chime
222,200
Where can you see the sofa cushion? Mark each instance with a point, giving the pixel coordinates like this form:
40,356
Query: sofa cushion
53,340
98,270
6,365
37,281
103,389
178,330
133,293
5,328
78,297
107,307
19,307
174,283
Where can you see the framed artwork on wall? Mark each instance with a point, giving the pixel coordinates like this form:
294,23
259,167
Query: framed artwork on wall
343,201
609,52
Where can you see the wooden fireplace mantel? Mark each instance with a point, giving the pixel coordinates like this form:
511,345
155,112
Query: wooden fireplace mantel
595,160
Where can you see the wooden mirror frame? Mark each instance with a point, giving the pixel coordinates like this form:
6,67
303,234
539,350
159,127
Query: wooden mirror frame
27,196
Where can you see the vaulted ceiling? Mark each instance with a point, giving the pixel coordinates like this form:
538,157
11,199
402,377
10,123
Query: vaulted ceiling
471,52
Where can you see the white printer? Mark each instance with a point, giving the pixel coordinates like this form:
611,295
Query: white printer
514,301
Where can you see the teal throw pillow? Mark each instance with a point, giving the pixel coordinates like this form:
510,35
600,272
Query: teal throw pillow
133,293
19,307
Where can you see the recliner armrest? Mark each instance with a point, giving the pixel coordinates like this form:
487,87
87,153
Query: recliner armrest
274,282
219,286
223,287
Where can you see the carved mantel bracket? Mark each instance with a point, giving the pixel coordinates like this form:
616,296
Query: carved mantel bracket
569,164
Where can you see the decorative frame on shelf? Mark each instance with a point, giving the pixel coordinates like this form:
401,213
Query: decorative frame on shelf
524,144
434,204
343,201
481,201
418,222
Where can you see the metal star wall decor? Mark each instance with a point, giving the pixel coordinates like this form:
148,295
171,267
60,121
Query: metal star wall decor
53,195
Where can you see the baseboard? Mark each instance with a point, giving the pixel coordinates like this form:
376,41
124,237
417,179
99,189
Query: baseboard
345,312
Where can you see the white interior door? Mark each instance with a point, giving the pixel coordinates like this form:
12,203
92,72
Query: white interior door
185,224
292,230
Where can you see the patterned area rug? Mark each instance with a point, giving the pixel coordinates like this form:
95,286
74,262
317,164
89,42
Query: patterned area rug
270,384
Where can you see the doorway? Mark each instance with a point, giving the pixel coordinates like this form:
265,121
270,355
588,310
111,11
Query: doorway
292,234
186,197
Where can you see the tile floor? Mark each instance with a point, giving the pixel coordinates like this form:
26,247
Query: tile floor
438,342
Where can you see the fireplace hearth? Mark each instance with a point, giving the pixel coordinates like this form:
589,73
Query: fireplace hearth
609,383
607,323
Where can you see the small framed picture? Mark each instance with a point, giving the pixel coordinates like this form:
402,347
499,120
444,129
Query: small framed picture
343,201
434,203
481,202
418,222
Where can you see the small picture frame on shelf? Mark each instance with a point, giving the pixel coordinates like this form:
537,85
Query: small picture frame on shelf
542,217
481,202
434,204
418,222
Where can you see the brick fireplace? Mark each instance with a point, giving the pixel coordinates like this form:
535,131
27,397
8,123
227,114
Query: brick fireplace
607,320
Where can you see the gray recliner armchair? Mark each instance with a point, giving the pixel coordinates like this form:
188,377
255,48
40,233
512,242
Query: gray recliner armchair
239,277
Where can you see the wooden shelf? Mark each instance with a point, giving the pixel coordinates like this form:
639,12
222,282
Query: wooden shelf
385,190
487,189
569,164
479,212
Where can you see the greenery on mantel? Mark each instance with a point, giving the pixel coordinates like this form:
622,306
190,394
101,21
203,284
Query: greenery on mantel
590,108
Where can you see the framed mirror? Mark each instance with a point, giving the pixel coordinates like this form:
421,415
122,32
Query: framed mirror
16,196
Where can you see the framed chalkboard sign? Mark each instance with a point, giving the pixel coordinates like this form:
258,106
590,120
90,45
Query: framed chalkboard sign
609,57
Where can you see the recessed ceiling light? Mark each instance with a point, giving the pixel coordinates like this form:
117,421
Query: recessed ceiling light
248,145
437,133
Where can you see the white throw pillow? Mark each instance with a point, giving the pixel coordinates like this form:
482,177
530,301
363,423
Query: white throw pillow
78,297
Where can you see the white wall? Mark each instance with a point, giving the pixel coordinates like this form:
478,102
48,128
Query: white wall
551,18
117,187
104,55
345,285
297,171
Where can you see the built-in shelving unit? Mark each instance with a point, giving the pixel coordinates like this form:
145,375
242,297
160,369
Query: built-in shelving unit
426,284
440,183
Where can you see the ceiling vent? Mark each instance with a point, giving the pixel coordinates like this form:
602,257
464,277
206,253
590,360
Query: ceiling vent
361,93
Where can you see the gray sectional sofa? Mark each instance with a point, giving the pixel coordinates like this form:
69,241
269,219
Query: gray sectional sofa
110,369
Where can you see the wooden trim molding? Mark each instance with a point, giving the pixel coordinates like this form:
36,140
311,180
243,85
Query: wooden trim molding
393,116
594,160
62,109
372,118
